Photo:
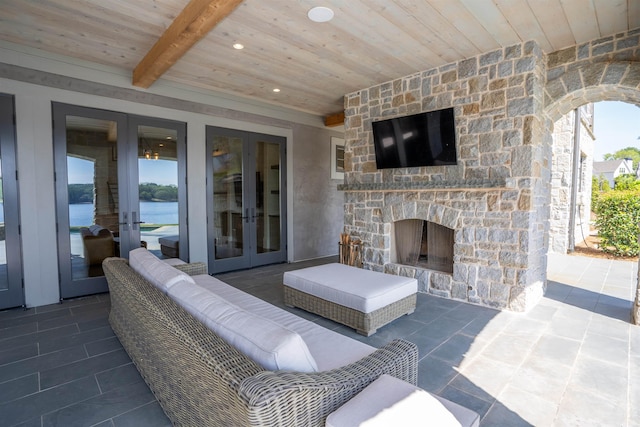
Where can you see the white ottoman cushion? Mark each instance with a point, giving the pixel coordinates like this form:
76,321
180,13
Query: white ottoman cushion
362,290
389,401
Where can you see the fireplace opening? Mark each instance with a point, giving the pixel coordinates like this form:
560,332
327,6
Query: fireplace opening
424,244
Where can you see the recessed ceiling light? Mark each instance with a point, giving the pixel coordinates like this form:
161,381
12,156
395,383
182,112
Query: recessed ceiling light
320,14
276,90
238,46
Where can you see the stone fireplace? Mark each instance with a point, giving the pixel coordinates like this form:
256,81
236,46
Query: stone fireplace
494,202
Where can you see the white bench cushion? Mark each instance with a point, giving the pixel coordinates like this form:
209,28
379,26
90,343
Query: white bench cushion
321,342
389,401
157,272
362,290
269,344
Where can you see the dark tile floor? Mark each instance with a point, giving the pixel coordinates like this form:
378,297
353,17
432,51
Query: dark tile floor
574,359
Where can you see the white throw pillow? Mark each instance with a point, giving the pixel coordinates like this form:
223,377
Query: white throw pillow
270,345
159,273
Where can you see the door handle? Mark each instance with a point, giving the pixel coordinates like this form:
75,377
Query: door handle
125,221
246,215
134,220
253,214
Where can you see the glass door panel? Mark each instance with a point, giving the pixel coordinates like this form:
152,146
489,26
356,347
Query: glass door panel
87,147
92,181
228,201
268,202
158,191
11,293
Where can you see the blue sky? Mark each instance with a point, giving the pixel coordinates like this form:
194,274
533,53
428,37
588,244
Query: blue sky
163,172
617,126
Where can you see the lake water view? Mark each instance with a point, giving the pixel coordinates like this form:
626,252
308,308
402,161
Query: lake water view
150,212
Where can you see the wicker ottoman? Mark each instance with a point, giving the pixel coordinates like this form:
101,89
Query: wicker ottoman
170,246
362,299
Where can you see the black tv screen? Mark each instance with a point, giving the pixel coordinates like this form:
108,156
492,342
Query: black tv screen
425,139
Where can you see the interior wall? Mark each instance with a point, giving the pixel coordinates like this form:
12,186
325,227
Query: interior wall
316,201
35,164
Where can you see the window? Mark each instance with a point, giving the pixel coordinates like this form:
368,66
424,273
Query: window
581,173
337,158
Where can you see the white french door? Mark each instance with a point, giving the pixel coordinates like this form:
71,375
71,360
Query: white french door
246,199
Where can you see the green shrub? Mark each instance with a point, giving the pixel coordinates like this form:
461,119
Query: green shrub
599,186
626,182
617,220
595,193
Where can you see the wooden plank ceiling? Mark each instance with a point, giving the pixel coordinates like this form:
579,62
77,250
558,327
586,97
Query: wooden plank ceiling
313,64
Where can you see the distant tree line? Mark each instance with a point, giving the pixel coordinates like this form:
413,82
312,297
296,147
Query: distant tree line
80,193
158,193
149,192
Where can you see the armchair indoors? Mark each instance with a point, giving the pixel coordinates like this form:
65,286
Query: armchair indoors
98,244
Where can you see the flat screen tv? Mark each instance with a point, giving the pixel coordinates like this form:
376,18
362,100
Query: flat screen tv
425,139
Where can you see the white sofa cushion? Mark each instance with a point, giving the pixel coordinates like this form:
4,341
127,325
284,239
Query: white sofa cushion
269,344
389,401
356,288
321,342
157,272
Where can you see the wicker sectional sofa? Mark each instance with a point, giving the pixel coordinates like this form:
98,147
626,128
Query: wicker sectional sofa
201,380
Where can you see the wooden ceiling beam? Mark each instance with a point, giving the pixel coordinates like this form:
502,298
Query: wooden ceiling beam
334,119
192,24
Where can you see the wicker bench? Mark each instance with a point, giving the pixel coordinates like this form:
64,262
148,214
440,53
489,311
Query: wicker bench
362,299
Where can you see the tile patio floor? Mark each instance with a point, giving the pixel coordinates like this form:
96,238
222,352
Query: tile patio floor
573,360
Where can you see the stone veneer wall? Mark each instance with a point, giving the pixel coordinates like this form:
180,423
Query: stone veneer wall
561,179
496,198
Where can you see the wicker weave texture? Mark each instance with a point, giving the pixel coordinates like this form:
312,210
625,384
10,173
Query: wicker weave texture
364,323
192,269
200,380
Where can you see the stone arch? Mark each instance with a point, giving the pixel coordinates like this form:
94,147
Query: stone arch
603,70
574,100
432,212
